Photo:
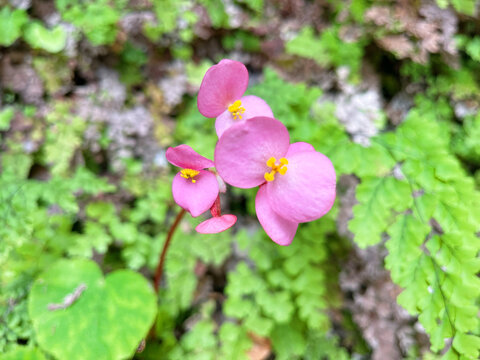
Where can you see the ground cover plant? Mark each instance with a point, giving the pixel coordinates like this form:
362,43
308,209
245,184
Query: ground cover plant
103,109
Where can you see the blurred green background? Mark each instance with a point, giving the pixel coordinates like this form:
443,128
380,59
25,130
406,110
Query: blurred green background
93,92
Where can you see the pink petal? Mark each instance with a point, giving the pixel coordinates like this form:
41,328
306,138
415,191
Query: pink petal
299,147
185,157
222,85
216,224
196,197
242,151
223,122
254,106
278,228
307,190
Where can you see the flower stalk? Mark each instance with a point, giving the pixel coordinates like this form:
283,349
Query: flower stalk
161,262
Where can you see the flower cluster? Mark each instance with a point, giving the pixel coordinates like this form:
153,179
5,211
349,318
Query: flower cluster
295,183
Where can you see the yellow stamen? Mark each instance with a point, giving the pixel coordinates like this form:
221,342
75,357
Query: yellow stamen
189,174
269,176
237,110
271,162
281,168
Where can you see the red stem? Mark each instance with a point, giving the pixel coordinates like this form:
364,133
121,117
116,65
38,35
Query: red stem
216,209
159,270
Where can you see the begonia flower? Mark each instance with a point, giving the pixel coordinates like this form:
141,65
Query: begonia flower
221,96
194,189
297,184
218,222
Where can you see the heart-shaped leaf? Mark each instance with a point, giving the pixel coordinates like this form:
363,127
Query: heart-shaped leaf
41,38
79,314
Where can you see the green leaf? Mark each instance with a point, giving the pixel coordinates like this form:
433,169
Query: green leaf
23,353
290,103
327,48
379,199
288,341
466,141
6,115
11,23
97,19
217,13
64,136
107,320
307,45
95,238
464,6
235,341
325,347
258,324
39,37
406,236
467,344
102,212
277,306
195,72
473,48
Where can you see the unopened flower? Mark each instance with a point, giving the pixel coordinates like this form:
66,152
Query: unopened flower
218,222
297,183
193,188
221,96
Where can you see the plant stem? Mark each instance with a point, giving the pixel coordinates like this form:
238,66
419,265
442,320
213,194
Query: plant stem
159,270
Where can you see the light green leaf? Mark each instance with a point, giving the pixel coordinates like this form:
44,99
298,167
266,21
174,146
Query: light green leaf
235,341
11,23
6,115
379,199
467,344
307,45
464,6
406,236
100,211
288,341
327,48
277,305
290,103
23,353
258,324
39,37
107,320
195,72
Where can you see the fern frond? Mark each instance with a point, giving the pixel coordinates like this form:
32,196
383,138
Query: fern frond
432,226
379,200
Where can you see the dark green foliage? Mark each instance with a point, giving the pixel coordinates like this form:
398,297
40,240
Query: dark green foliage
327,49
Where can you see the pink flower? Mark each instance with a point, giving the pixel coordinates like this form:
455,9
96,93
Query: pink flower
297,183
218,222
221,96
193,188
